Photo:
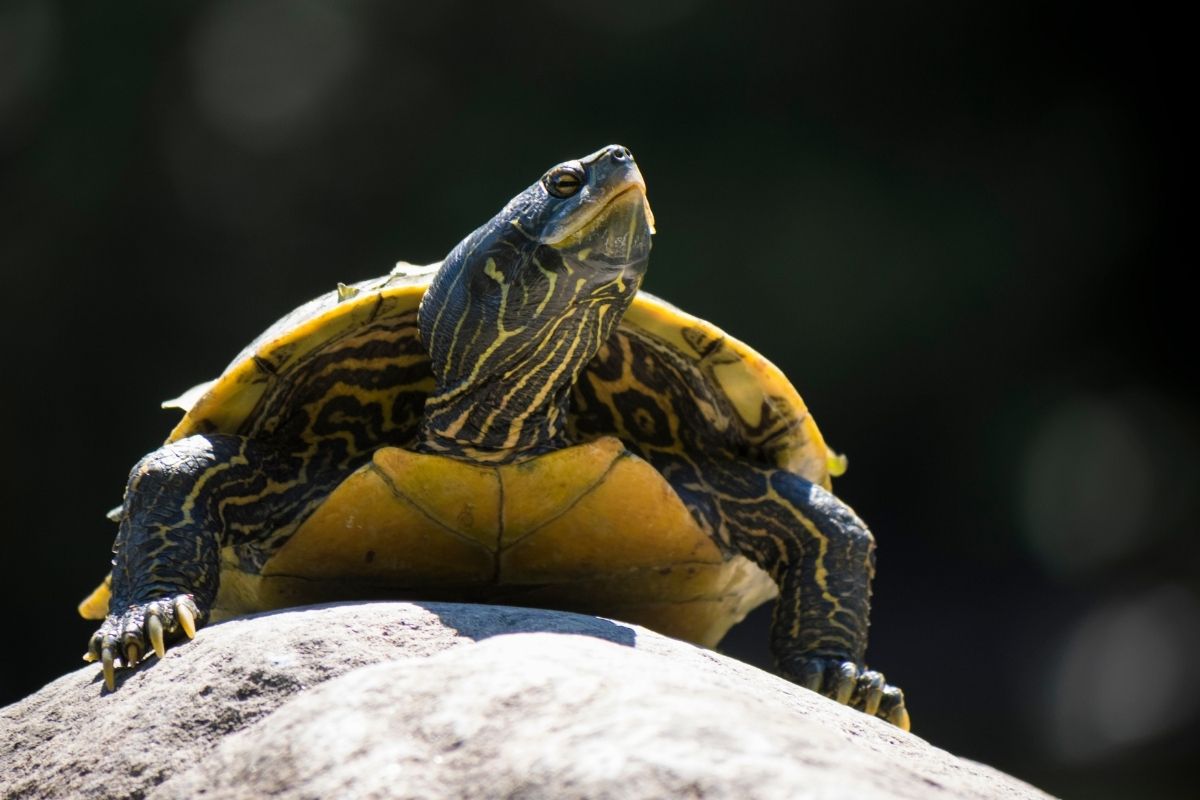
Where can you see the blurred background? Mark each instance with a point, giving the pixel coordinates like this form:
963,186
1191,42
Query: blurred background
951,224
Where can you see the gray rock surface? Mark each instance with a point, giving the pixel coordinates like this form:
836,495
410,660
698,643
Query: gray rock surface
382,700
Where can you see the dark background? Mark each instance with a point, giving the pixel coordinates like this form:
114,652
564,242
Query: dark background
951,224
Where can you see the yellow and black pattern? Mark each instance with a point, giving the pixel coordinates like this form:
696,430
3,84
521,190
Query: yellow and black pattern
318,419
323,416
669,409
505,362
517,349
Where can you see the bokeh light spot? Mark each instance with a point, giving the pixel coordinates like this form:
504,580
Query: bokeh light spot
1088,485
1123,676
264,71
28,41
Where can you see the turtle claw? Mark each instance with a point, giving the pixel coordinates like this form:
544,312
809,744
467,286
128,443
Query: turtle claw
154,630
140,628
870,692
892,708
845,681
811,675
851,685
110,674
183,613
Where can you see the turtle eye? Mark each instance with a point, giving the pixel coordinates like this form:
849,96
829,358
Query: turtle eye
563,181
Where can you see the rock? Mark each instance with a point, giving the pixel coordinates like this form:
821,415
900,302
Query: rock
443,700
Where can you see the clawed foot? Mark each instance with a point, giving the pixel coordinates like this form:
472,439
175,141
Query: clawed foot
132,633
847,683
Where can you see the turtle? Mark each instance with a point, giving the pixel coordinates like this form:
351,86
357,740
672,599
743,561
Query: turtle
516,424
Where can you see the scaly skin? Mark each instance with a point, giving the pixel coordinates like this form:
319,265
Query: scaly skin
182,505
824,572
822,557
516,313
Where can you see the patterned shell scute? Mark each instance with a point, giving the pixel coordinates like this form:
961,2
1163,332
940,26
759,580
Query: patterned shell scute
667,383
230,402
685,386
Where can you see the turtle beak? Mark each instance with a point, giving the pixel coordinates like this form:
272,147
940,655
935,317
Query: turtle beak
612,174
615,232
646,212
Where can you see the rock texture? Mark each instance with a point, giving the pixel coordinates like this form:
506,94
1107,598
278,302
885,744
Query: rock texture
402,700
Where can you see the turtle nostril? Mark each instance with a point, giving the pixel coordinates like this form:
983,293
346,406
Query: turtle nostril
621,154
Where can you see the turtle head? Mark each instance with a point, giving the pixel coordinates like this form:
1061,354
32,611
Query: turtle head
592,211
523,303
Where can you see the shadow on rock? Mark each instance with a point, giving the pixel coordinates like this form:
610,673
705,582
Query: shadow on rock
478,622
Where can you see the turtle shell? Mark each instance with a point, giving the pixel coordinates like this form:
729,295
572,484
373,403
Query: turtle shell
595,527
677,369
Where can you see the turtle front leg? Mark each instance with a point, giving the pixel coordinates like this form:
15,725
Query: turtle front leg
175,519
822,556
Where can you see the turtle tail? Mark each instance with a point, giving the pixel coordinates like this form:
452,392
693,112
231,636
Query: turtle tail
95,605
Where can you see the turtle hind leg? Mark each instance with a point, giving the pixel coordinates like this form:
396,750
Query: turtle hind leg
822,556
177,515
